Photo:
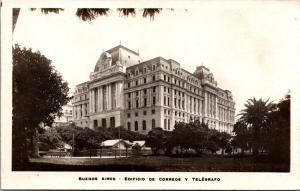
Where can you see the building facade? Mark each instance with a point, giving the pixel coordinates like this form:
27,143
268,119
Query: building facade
66,116
140,95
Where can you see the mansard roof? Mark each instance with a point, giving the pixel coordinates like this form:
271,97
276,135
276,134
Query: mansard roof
123,47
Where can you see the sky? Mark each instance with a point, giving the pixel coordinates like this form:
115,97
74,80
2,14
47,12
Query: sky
251,48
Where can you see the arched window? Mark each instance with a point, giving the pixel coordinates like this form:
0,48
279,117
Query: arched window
153,123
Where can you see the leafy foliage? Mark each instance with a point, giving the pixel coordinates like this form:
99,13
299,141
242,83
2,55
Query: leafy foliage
90,14
50,139
39,92
265,126
193,135
242,138
255,115
156,139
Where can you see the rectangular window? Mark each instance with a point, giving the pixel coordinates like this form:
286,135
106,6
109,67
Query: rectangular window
95,123
145,91
165,89
153,78
168,124
175,102
104,122
165,100
129,105
144,125
137,103
112,122
128,115
165,123
153,123
145,112
145,80
128,84
153,111
136,114
165,77
153,100
136,82
145,102
136,126
154,88
168,101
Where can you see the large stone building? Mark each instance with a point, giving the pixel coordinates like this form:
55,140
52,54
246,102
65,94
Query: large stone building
139,95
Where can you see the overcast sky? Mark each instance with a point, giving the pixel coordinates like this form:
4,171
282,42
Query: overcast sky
251,48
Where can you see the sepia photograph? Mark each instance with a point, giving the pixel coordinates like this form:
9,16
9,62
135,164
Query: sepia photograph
168,91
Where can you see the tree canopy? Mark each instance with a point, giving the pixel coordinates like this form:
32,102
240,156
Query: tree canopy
39,92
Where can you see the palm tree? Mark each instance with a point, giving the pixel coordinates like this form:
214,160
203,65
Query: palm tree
255,115
90,14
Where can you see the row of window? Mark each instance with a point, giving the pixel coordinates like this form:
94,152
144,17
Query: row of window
103,122
137,103
82,110
144,125
139,81
137,72
136,114
145,92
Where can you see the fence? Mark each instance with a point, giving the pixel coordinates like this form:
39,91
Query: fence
98,153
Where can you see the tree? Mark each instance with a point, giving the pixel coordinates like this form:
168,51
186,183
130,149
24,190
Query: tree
50,139
124,134
39,92
256,115
91,14
223,141
156,139
278,132
241,138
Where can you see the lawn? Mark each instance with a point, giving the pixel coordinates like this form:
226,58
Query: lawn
207,163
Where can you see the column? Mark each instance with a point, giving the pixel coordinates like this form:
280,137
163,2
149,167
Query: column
121,95
73,114
109,97
101,98
216,107
90,101
205,104
117,94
